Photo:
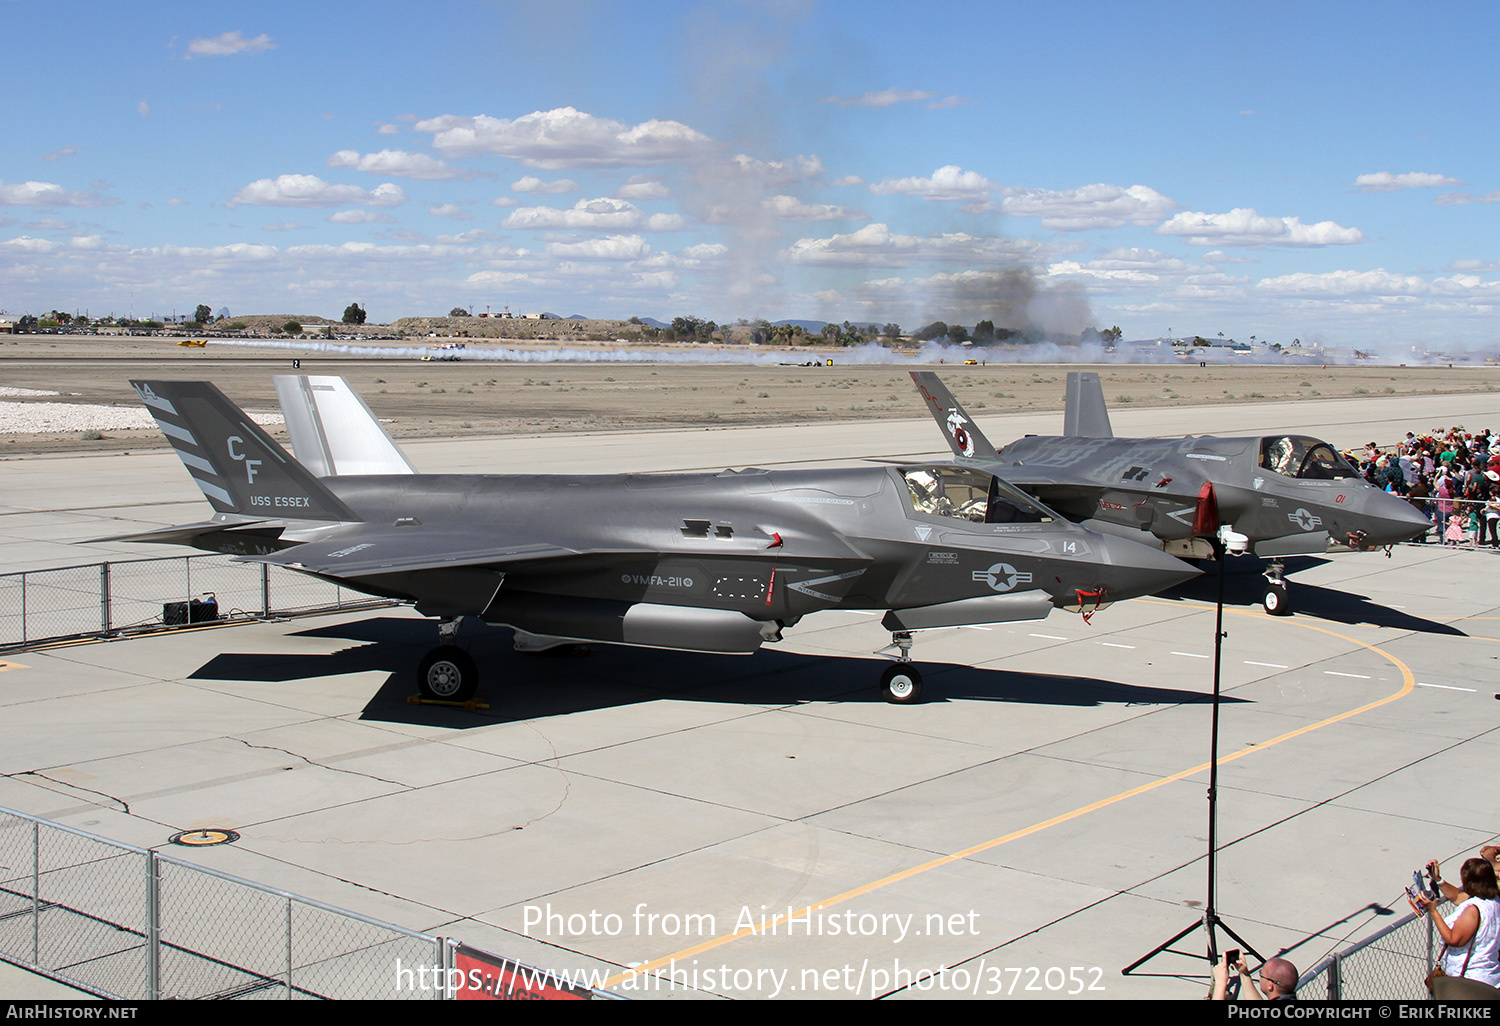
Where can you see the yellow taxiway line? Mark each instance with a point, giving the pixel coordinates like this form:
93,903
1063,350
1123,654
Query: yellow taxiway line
1408,684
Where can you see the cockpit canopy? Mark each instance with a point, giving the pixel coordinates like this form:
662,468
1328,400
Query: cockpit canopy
973,495
1303,457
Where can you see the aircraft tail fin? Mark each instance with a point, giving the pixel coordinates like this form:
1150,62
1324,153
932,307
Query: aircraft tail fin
239,467
333,432
1084,412
964,436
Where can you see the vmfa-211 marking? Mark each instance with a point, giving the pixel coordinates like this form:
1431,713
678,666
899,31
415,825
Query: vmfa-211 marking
708,562
1274,495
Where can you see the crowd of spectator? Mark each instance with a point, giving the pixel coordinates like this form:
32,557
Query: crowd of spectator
1451,475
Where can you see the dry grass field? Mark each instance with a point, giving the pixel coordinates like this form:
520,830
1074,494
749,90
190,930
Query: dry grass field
476,397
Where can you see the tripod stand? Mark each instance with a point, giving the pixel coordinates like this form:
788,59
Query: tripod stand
1210,921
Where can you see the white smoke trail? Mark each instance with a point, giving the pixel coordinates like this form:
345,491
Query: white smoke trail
868,354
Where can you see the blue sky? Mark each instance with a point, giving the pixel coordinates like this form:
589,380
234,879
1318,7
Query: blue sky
1321,171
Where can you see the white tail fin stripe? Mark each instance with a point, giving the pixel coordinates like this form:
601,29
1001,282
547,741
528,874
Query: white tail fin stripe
180,433
213,491
150,398
197,462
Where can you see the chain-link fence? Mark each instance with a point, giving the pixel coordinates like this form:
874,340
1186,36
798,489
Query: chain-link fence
132,924
1391,965
140,594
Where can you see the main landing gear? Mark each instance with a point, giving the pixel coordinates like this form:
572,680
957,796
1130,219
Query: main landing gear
1275,599
448,673
901,684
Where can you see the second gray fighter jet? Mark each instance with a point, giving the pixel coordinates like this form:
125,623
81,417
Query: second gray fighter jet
1272,495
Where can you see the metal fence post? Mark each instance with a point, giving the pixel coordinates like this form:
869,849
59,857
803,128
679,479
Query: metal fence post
187,569
36,893
265,590
1335,978
24,636
104,614
153,927
289,947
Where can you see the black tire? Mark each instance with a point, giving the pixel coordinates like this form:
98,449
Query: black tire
448,674
901,684
1275,600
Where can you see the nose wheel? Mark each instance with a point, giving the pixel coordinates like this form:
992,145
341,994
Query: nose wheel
1275,599
901,684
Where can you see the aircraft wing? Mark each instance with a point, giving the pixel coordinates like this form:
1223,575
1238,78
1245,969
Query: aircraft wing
396,550
458,573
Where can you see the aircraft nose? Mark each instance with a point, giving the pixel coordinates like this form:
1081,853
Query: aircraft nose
1130,569
1396,520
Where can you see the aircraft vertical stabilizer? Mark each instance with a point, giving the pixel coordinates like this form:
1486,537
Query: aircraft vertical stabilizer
333,432
964,436
1084,412
238,467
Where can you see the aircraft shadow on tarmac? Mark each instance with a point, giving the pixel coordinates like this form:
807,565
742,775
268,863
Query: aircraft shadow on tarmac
520,686
1244,586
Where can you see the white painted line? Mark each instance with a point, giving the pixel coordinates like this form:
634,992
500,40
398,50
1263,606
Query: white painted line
1052,637
1274,666
1111,644
976,627
1335,673
1445,687
1191,655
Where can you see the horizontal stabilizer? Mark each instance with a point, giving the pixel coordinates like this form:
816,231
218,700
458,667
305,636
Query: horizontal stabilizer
238,467
964,437
333,432
1084,412
189,534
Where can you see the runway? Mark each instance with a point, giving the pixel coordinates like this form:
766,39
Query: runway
689,826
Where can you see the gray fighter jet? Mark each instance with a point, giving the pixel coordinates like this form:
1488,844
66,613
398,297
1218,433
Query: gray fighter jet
705,562
1273,495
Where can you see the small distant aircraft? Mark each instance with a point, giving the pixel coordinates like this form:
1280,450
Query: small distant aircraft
705,562
1275,495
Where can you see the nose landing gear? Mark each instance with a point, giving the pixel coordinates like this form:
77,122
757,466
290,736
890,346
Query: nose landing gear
901,684
1275,599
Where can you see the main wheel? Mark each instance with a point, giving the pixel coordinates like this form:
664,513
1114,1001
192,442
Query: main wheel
901,684
1275,600
448,674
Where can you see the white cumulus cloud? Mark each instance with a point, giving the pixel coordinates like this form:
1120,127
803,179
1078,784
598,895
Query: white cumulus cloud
1384,181
359,217
882,98
312,191
613,247
398,163
229,43
950,182
1089,207
46,194
641,187
565,138
875,245
602,214
537,187
789,208
1244,227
